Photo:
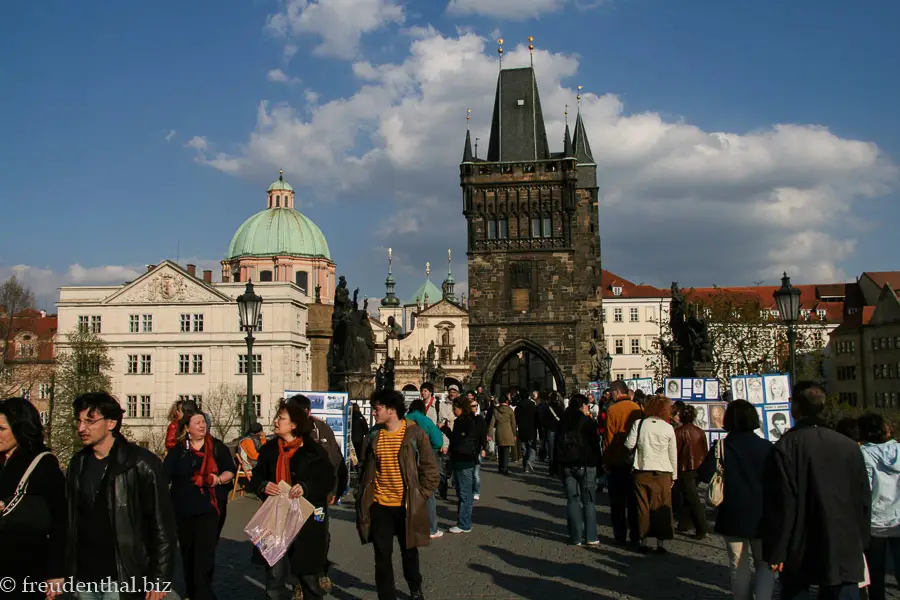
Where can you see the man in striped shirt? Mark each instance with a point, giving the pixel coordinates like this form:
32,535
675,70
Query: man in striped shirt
399,451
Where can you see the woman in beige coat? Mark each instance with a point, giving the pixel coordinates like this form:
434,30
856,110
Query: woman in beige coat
502,430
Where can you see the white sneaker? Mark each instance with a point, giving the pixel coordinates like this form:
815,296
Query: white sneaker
437,534
478,496
456,529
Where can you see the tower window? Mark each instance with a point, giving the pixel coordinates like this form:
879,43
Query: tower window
503,226
302,278
277,201
492,229
547,229
265,275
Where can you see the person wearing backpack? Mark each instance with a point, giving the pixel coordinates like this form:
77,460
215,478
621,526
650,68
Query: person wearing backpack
577,454
467,442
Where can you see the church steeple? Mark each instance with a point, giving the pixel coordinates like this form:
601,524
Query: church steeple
517,126
568,150
467,149
582,146
449,283
389,298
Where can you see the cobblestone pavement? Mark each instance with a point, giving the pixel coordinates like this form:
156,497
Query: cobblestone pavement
517,549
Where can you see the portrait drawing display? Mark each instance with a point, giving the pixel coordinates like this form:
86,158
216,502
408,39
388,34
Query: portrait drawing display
754,389
777,422
717,416
702,419
738,388
673,388
711,391
778,389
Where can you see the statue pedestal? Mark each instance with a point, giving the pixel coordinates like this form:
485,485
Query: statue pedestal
359,386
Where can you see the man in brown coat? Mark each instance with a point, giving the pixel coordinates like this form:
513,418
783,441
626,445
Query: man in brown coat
616,461
399,473
502,429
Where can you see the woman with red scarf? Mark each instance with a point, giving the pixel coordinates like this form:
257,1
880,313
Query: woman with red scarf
200,468
296,459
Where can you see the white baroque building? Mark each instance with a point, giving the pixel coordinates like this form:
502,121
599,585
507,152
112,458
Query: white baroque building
175,335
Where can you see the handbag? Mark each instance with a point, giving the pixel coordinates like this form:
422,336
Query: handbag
632,456
37,514
715,493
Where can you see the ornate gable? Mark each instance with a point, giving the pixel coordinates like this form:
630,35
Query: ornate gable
443,309
167,284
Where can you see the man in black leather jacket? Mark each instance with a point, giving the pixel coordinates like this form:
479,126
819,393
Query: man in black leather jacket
121,520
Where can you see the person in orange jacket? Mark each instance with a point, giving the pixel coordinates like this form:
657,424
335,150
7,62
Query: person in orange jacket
620,417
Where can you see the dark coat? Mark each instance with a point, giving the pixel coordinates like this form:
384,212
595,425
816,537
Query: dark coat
33,535
591,436
692,447
816,509
741,512
313,471
143,519
189,500
323,434
526,419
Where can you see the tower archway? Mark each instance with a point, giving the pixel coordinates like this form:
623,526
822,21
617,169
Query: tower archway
523,364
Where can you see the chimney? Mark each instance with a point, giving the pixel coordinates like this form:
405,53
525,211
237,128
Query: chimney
207,276
150,267
192,270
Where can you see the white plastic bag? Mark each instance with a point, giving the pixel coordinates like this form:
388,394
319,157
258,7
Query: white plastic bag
277,522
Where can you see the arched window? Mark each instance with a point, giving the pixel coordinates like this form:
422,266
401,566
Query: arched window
265,275
277,201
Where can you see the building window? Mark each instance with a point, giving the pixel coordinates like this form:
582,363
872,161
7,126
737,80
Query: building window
535,227
132,364
198,322
651,314
195,319
620,346
145,407
503,228
635,374
195,398
635,317
635,345
257,405
146,364
185,323
492,229
620,376
242,364
184,363
302,278
547,228
197,365
132,407
95,324
133,323
617,315
44,391
83,324
148,323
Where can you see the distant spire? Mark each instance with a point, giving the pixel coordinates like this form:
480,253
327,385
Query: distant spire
390,299
531,50
449,283
580,142
568,149
427,270
467,149
500,52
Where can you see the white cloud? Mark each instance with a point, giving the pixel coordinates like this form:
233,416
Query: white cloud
170,135
676,202
339,23
505,9
100,275
279,76
198,142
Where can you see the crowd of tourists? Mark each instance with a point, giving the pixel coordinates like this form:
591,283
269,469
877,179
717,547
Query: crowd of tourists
818,508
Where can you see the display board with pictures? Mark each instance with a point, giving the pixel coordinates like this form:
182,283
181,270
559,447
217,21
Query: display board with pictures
770,394
334,409
645,384
704,395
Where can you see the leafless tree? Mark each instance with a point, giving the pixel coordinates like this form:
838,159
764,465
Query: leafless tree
225,406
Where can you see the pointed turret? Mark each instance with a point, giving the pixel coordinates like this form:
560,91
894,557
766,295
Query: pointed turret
517,126
581,143
568,150
449,283
389,298
467,150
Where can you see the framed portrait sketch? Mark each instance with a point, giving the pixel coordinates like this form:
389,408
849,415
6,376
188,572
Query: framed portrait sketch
697,389
631,383
777,388
711,389
673,388
762,422
702,420
778,421
716,414
739,388
645,384
755,394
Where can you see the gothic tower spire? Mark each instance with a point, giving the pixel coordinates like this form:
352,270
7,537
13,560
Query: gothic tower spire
390,299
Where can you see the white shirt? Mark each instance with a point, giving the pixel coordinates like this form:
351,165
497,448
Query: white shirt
656,450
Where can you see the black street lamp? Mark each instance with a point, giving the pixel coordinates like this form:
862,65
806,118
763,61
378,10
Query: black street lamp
607,360
423,369
788,299
248,309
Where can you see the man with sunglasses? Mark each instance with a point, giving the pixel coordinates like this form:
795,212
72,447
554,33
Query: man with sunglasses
121,521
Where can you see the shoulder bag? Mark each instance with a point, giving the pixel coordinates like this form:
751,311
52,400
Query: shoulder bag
632,457
33,515
715,493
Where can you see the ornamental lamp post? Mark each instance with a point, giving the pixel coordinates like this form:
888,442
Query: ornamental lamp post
249,305
423,369
607,360
788,299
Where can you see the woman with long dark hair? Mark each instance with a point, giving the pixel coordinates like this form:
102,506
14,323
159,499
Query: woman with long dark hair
32,522
467,442
200,469
302,463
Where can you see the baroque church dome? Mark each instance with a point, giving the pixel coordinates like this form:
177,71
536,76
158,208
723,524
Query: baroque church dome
279,230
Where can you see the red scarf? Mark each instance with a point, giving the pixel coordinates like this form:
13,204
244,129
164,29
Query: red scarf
285,452
208,469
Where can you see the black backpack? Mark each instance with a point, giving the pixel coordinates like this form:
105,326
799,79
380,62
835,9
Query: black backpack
571,448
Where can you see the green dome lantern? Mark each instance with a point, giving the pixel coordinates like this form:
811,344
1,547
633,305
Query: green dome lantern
280,184
278,232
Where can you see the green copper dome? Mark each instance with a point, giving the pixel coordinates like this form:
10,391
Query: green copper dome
280,184
278,232
433,291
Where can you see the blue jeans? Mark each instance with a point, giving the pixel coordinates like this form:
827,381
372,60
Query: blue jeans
580,484
477,476
432,512
550,442
530,453
464,479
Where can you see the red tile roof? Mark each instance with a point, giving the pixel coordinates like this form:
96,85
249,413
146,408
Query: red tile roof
629,290
40,325
764,296
879,278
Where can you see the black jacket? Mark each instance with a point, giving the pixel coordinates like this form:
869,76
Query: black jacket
526,419
140,507
467,439
590,435
33,535
816,506
189,500
741,512
324,435
313,471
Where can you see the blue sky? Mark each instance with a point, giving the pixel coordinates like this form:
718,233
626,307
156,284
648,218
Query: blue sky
732,141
